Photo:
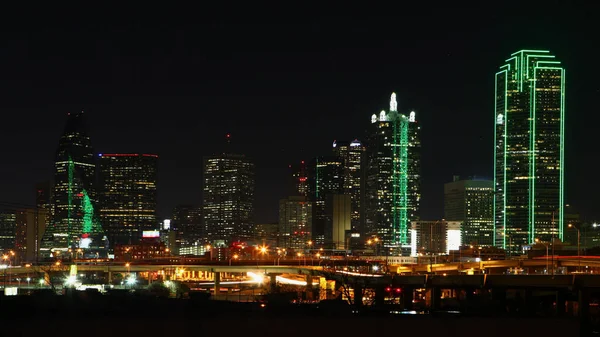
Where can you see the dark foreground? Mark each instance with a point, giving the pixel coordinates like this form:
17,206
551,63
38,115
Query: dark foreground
148,317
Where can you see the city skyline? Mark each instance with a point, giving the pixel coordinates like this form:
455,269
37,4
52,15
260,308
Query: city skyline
333,106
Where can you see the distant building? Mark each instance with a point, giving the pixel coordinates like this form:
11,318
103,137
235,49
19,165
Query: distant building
146,248
43,200
338,229
353,159
326,177
228,198
128,195
267,234
75,223
8,230
186,222
295,222
299,179
392,177
472,203
435,237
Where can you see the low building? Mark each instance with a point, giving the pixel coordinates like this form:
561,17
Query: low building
435,237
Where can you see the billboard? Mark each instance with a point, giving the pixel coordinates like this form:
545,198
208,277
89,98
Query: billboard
150,234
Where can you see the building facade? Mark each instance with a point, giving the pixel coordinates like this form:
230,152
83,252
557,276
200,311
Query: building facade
228,198
326,178
295,222
338,230
186,221
74,222
128,195
392,177
529,153
435,237
352,155
472,203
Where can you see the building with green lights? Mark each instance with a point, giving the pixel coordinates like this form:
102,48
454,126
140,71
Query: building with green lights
529,124
393,180
74,222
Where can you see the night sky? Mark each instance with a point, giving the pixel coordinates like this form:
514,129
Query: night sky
285,90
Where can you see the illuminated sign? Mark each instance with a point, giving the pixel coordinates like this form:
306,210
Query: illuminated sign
150,234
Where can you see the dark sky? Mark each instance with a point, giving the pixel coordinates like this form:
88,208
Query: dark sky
285,86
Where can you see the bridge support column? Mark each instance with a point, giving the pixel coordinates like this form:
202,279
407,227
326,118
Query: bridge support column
109,277
436,298
408,295
561,303
309,287
380,295
217,284
358,295
273,283
583,312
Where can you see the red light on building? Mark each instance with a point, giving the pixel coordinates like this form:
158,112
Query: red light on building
388,289
398,290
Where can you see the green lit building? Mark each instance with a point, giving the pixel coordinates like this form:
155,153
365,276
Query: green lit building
74,222
127,195
393,178
529,124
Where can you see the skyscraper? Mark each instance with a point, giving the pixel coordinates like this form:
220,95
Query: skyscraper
393,177
529,124
472,203
186,221
352,155
299,179
127,195
325,179
228,198
74,221
295,222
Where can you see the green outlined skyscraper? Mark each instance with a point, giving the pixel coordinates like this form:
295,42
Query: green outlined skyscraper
529,133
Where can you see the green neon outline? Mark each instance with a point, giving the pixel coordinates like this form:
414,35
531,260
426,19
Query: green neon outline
504,229
532,151
562,155
530,50
504,191
535,65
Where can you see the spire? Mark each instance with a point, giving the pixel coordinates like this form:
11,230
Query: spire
393,103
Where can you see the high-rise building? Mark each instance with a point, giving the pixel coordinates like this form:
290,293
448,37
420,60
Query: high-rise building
472,203
392,176
43,200
186,221
8,229
529,125
228,198
295,222
435,237
352,155
74,222
326,177
127,196
299,179
338,229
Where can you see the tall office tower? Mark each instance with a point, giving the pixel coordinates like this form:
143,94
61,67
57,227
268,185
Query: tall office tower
339,228
299,179
529,125
186,222
74,222
43,199
295,222
472,203
127,196
228,198
326,177
393,176
8,230
352,155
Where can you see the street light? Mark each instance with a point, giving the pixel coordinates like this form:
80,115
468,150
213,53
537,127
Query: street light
545,244
234,257
578,245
